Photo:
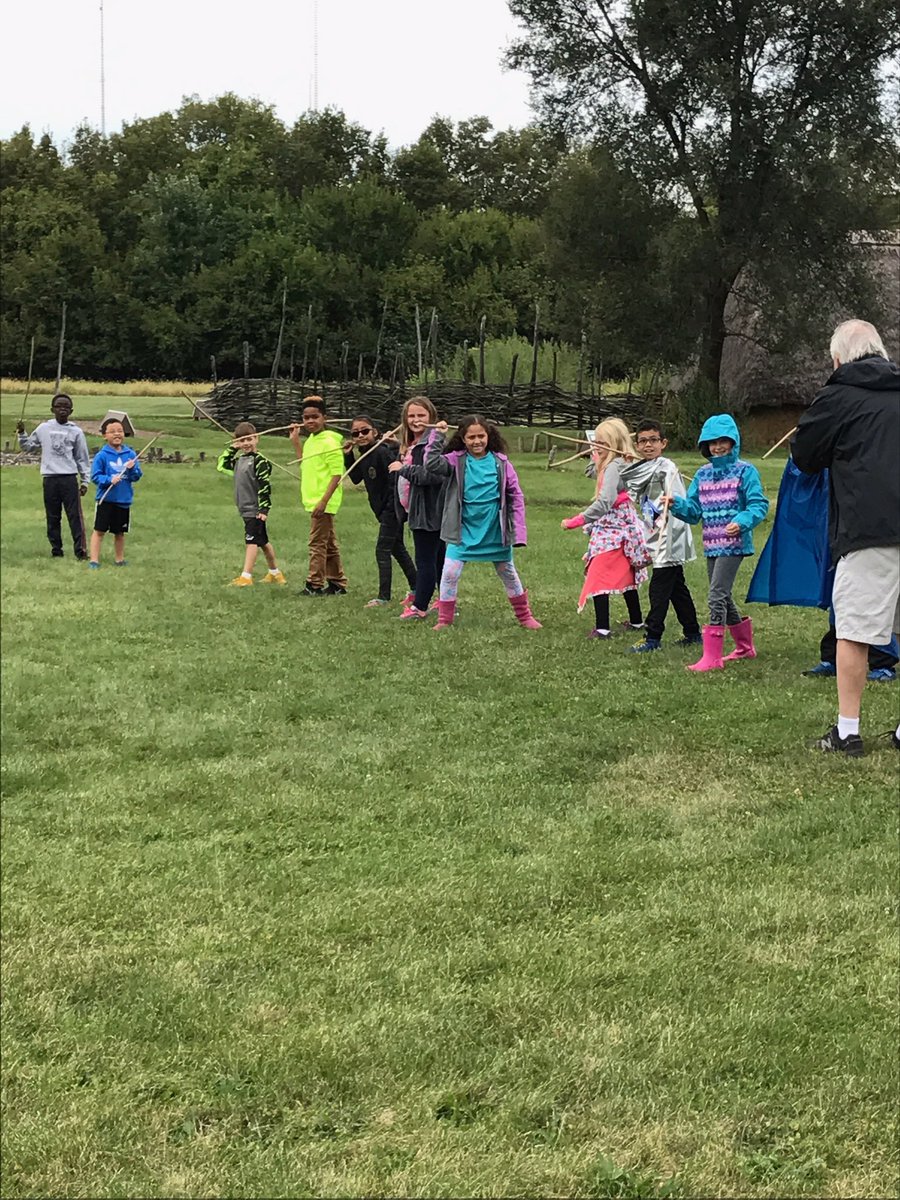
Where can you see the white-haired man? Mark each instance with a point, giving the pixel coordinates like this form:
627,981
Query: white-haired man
853,429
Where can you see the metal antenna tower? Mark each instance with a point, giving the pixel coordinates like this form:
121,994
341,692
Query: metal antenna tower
102,76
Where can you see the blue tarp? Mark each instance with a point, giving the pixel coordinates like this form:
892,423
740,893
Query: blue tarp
795,564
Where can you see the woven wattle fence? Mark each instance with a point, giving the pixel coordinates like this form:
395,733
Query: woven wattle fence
273,402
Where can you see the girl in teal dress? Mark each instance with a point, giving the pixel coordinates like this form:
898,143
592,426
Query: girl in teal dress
484,512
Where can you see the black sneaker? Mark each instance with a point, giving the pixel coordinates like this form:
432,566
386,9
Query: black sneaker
851,745
334,589
56,554
891,734
309,590
689,641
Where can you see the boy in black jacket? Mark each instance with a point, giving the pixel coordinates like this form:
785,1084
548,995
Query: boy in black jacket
381,487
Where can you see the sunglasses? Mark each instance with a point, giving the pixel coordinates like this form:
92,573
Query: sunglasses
360,432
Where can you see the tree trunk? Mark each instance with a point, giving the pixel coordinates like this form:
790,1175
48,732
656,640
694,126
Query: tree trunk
712,339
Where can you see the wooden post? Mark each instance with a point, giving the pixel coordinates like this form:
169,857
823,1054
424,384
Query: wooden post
345,351
534,352
212,369
433,336
466,362
481,350
554,368
380,339
359,372
28,382
592,376
316,364
580,388
62,343
419,340
291,365
512,373
246,379
276,361
306,346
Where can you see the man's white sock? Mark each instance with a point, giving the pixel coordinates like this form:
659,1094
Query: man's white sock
847,726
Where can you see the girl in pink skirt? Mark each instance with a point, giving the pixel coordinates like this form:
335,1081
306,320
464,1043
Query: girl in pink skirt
617,555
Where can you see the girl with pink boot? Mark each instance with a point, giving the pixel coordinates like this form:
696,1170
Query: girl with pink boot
727,496
484,512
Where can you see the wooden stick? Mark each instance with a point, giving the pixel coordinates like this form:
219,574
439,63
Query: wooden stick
562,462
781,441
28,384
155,437
205,414
592,444
62,344
375,446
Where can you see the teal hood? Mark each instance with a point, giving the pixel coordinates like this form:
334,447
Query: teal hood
722,425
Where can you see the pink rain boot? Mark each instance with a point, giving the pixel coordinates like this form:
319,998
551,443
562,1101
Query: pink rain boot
523,612
743,641
713,638
446,613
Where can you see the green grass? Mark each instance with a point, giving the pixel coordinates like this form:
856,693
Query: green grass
302,902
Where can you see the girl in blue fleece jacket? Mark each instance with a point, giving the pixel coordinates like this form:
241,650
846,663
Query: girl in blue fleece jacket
727,496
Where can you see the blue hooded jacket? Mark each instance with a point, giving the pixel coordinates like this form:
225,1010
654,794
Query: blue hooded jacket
109,462
750,507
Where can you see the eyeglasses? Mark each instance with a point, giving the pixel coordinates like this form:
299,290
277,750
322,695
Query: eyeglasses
647,441
360,432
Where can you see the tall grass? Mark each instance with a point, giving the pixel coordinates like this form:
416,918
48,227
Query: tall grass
93,387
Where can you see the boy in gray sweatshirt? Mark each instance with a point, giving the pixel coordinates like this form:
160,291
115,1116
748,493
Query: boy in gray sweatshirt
253,496
64,458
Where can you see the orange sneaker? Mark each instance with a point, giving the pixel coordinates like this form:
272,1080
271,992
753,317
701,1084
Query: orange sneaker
241,582
274,577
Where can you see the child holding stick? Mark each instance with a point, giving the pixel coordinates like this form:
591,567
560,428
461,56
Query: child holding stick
115,470
617,554
253,496
420,495
727,496
670,543
381,487
320,491
65,472
484,512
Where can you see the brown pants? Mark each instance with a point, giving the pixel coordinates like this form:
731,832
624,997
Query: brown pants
324,556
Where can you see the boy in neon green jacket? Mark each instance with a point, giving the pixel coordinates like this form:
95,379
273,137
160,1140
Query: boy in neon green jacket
322,465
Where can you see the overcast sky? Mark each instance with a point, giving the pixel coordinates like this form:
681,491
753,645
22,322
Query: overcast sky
389,64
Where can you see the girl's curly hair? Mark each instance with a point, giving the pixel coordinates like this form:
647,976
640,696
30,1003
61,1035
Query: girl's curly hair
495,441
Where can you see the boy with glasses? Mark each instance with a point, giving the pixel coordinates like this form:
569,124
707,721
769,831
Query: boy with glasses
381,488
647,481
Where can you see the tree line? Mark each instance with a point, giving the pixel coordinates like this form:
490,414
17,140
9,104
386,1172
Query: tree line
685,152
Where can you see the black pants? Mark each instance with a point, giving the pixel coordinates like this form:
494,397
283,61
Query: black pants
61,492
429,564
601,609
390,545
878,657
667,586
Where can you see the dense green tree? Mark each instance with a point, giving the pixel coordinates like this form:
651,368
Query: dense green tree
765,121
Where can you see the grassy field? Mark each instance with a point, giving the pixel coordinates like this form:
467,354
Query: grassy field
299,901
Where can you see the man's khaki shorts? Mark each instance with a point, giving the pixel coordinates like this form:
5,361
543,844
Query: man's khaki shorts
866,595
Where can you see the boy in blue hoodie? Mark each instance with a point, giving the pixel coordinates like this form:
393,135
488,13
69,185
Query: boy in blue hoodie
115,470
727,496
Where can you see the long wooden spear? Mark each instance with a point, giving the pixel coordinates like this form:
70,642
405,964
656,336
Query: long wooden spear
155,437
562,462
205,414
28,384
781,441
375,446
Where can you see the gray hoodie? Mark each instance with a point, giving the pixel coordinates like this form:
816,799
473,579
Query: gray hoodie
63,449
